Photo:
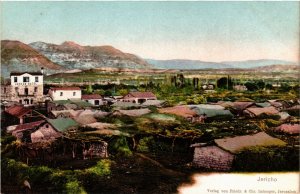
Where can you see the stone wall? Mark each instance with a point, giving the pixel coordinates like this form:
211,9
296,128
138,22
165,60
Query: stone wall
213,158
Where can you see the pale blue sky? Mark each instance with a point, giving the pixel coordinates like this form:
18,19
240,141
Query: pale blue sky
209,31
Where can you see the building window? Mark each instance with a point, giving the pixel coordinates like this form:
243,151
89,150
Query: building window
25,79
61,93
35,89
47,126
74,93
36,79
15,79
4,90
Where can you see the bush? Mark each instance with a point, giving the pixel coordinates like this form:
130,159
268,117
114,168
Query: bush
102,168
73,187
144,144
120,146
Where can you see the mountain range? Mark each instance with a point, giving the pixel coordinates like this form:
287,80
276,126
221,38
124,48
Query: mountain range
72,55
197,64
18,56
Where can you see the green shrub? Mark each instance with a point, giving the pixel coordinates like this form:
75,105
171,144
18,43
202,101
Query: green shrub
73,187
144,144
102,168
120,146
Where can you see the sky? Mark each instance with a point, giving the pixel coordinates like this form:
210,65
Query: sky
207,31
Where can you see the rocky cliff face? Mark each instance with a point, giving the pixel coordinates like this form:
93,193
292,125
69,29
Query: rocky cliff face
72,55
17,56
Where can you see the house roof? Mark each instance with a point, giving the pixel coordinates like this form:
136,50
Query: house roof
240,143
242,105
29,125
125,104
65,88
91,96
81,103
182,111
142,94
62,124
207,106
290,129
212,112
18,110
153,103
21,73
64,112
134,112
263,104
296,107
266,110
276,104
86,119
73,102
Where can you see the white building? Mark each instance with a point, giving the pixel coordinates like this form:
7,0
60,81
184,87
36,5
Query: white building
25,87
94,99
65,93
139,97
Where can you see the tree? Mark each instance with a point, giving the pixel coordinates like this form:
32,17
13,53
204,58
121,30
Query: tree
260,84
89,89
225,83
251,86
107,93
123,92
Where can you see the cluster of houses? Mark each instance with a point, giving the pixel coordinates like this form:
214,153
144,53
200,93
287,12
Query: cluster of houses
67,109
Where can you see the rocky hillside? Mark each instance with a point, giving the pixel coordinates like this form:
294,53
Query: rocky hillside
72,55
279,68
17,56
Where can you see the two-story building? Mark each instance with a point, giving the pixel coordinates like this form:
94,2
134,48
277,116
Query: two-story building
65,93
25,87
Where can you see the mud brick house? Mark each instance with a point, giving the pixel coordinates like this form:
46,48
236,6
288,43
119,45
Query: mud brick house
73,104
94,99
24,87
255,112
39,131
291,129
63,124
182,111
220,155
139,97
18,114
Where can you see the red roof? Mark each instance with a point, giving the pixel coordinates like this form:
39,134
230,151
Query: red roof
141,94
18,110
290,129
65,88
91,96
183,111
267,110
29,125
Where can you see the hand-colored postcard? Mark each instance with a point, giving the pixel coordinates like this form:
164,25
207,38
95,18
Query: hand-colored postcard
194,97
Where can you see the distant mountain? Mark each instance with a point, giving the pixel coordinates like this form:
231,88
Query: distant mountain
75,56
257,63
278,68
17,56
197,64
186,64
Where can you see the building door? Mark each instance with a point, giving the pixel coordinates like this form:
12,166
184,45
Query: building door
26,91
